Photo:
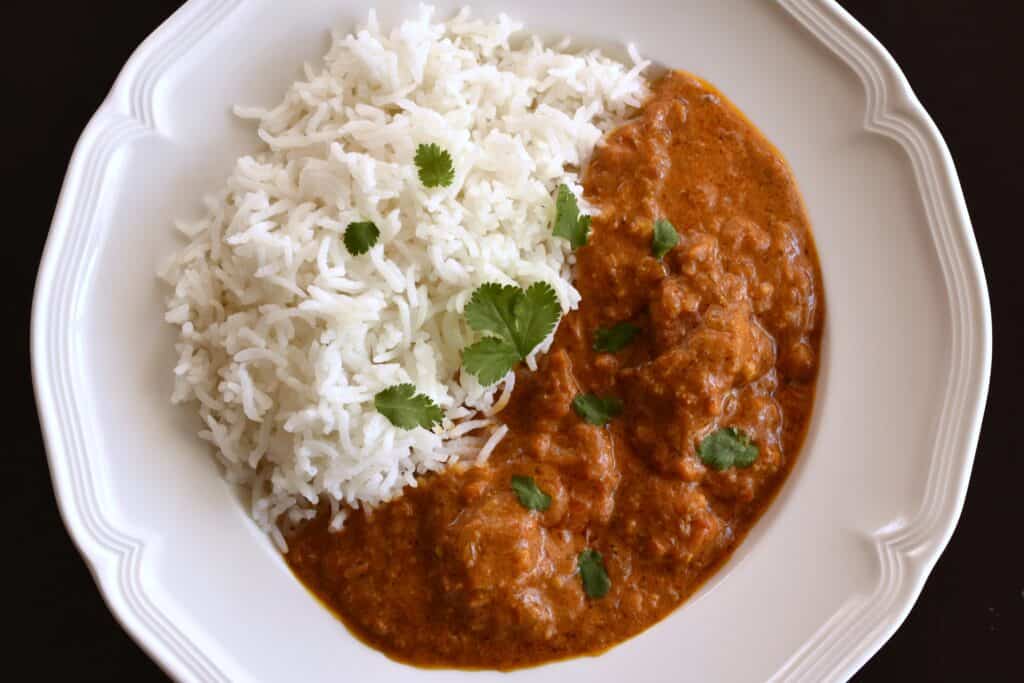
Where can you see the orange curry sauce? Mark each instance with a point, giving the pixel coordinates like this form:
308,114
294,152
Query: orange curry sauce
457,572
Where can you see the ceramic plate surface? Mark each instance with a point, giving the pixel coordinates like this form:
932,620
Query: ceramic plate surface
826,576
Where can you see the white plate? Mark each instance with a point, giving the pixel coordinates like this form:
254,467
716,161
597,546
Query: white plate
826,576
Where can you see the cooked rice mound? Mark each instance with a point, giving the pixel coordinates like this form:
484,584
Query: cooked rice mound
285,337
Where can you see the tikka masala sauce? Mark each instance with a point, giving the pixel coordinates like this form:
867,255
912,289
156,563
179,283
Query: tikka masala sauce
457,572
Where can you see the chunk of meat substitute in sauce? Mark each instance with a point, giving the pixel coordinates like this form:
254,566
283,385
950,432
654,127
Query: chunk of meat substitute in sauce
458,572
506,571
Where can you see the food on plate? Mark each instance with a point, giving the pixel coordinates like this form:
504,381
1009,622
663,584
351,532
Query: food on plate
511,345
410,170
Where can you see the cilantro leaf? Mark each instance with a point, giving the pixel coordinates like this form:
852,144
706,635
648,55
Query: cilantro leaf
614,339
491,310
596,583
665,238
568,221
435,166
406,409
596,410
537,313
514,322
728,447
359,237
529,495
489,359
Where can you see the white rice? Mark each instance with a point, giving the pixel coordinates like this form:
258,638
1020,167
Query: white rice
285,337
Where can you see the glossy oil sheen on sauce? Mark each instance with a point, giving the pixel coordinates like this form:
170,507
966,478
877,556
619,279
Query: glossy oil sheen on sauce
457,572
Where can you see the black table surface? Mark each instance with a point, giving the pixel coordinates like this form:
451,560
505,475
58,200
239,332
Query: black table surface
964,60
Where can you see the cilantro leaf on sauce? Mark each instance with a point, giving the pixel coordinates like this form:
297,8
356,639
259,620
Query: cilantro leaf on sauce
665,238
406,409
596,583
514,321
595,409
529,494
615,338
435,166
727,447
360,236
568,221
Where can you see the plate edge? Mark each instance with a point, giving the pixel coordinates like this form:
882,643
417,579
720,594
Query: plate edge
907,550
113,555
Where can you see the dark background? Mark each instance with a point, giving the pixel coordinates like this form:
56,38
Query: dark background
964,59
